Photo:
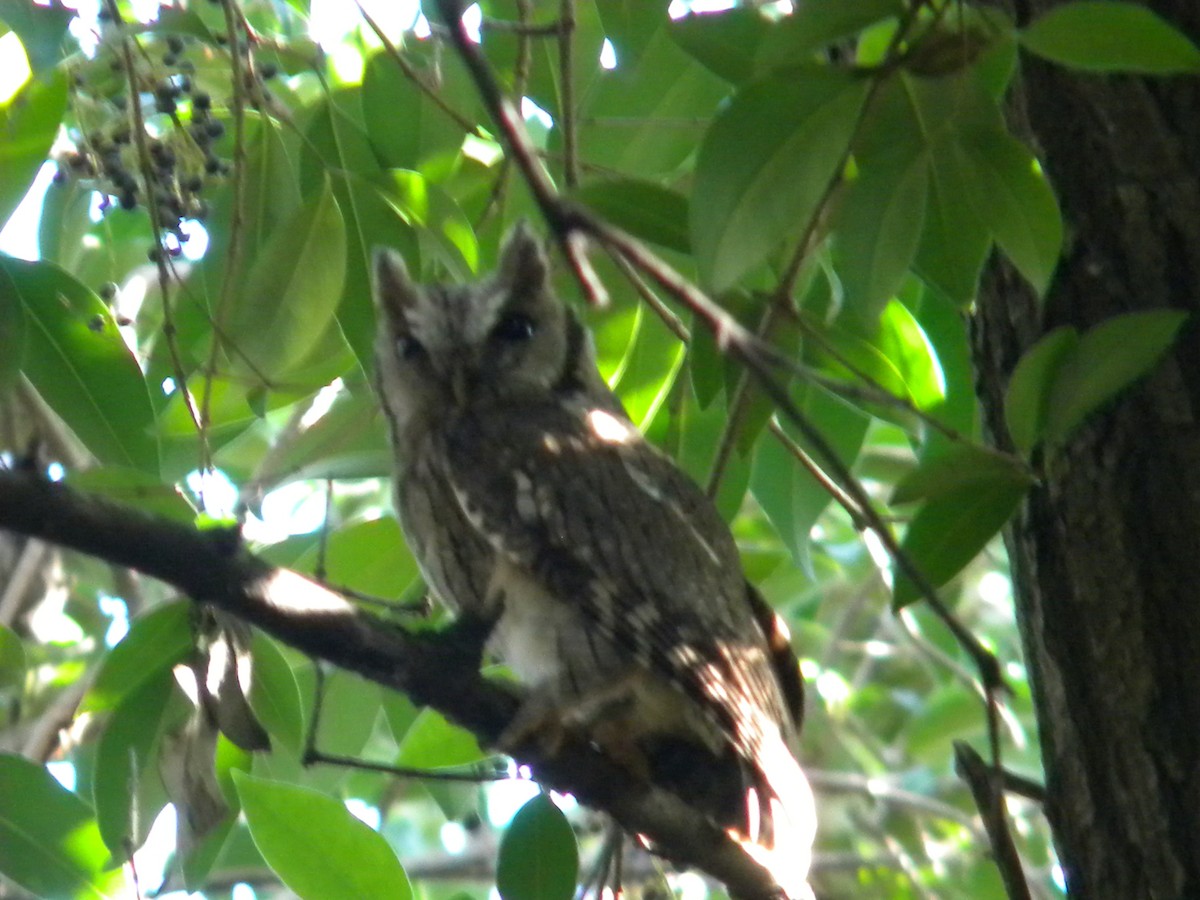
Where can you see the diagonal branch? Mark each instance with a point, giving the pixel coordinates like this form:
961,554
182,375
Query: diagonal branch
438,670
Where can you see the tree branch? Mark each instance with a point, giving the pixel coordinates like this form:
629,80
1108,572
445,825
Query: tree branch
437,670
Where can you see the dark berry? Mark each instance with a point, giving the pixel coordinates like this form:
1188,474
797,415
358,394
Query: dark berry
175,43
216,129
128,200
268,70
107,291
201,100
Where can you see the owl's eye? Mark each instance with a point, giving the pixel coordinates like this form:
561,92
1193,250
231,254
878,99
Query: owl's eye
514,328
408,348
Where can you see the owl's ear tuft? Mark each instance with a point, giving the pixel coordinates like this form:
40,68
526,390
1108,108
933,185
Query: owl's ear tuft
391,285
523,265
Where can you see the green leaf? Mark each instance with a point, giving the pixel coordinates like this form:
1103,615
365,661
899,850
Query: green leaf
12,659
293,290
903,343
1107,360
788,494
1012,195
370,557
630,25
649,368
349,713
819,23
539,859
126,788
879,219
950,530
951,114
349,441
892,351
751,190
942,325
697,433
49,841
316,846
78,362
404,125
270,203
433,743
878,228
274,694
1028,395
726,43
643,118
12,343
963,466
134,488
643,208
28,123
955,241
41,30
1099,36
155,642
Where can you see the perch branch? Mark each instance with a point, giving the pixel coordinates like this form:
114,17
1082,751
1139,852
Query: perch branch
434,670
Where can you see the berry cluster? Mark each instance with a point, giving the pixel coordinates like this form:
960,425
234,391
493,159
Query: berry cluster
150,137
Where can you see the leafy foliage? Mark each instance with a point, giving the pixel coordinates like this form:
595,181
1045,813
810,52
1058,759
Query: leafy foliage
836,177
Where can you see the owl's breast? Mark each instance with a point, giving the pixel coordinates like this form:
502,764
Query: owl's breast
455,561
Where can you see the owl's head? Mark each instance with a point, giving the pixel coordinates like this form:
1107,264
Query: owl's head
504,339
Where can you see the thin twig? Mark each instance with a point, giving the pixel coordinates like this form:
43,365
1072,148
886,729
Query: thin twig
522,27
146,166
673,322
416,78
233,277
566,76
782,300
814,469
313,756
986,786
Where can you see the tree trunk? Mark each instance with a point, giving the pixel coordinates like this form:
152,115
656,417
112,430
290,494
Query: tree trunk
1106,552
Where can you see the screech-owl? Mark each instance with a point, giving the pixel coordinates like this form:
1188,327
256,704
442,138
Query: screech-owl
531,501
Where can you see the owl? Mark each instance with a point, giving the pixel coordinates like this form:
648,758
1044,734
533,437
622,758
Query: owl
612,587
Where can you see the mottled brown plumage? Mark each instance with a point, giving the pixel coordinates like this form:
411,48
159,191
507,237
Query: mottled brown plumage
530,499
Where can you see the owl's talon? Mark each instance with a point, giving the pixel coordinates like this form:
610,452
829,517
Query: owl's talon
540,720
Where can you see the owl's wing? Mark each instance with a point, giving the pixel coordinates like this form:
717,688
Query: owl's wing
580,500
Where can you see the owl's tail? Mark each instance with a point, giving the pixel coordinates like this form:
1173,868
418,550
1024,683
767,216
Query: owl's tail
781,819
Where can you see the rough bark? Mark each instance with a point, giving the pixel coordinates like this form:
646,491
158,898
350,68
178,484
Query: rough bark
1106,553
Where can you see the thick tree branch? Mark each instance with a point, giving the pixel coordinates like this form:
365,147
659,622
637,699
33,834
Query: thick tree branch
434,670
